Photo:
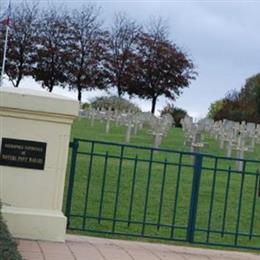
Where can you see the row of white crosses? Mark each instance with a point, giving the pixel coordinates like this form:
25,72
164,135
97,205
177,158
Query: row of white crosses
107,115
193,134
234,136
160,127
132,121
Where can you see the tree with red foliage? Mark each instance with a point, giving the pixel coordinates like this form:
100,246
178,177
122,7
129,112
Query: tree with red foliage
160,67
121,45
86,50
22,33
50,48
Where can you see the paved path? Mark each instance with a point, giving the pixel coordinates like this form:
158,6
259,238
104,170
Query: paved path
90,248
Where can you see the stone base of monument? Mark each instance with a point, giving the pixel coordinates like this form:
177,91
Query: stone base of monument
34,136
35,223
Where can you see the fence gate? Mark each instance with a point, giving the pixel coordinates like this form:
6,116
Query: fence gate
163,194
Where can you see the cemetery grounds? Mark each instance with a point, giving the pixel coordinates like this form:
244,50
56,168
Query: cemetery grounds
158,203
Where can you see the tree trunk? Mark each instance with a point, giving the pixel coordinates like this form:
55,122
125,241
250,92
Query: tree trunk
51,85
119,91
79,94
50,88
153,104
18,81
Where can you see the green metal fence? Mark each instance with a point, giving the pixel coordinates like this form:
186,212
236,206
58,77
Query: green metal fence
163,194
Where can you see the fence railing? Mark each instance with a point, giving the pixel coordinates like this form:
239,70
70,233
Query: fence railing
163,194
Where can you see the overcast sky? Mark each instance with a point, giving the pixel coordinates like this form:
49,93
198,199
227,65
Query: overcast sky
222,38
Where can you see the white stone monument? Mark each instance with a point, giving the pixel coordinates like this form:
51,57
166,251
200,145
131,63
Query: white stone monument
34,136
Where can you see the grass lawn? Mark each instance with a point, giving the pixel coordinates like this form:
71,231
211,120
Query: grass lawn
136,197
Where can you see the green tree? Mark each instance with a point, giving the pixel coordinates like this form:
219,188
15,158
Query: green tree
243,105
215,108
250,93
233,108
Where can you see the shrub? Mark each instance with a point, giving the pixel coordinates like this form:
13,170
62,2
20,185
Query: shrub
85,105
176,113
8,247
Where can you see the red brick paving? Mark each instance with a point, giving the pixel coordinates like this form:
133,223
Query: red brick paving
91,248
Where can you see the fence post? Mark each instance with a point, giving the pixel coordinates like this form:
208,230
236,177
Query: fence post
194,197
74,145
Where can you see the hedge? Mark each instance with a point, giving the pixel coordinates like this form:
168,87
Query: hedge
8,247
115,103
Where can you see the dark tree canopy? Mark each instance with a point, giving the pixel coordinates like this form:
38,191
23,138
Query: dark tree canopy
160,68
72,49
50,48
86,50
22,33
121,45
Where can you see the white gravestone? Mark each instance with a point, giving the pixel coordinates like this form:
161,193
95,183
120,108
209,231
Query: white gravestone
31,182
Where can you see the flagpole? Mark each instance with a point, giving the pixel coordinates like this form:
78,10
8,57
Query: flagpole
4,56
5,46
